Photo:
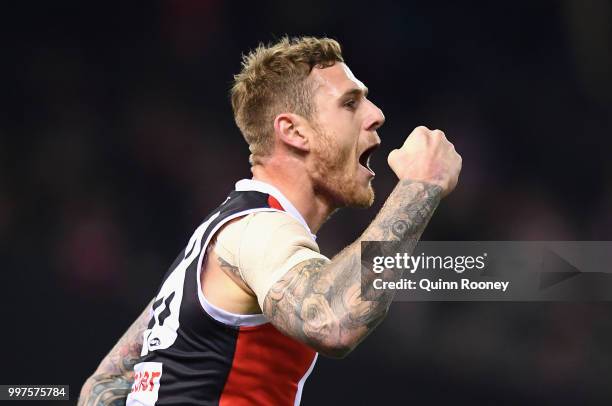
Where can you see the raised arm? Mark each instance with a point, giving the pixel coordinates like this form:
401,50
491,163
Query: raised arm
319,302
112,381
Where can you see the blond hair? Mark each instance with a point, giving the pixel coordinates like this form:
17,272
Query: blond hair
274,80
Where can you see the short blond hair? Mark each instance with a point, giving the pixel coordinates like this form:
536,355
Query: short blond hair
273,80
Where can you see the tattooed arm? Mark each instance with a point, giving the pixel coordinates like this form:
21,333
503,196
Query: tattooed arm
113,379
320,303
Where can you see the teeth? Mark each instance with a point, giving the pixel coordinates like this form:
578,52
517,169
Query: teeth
367,166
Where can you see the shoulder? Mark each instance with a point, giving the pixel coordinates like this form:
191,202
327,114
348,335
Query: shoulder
264,222
259,231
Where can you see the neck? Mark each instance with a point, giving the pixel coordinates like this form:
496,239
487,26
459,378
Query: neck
296,186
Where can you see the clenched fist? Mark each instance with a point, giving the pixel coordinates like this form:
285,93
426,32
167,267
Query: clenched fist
427,156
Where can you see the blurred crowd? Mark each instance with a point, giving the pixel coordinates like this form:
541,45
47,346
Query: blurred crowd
118,138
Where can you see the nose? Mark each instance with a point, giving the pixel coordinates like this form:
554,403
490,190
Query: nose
375,117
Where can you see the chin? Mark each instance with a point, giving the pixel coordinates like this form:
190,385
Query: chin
344,191
361,198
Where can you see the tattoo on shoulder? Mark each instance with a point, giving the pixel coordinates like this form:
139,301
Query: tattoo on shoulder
226,266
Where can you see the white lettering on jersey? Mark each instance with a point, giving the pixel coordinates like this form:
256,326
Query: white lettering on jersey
167,303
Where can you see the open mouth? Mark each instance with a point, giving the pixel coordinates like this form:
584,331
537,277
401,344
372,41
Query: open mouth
364,158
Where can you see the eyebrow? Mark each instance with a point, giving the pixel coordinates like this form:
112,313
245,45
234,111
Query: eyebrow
356,91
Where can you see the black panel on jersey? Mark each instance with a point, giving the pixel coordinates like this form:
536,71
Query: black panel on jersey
197,364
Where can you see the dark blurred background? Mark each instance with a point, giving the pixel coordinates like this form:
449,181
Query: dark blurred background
118,138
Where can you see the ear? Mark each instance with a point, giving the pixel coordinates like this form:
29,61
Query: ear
292,131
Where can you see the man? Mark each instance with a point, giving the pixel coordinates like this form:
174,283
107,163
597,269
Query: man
244,310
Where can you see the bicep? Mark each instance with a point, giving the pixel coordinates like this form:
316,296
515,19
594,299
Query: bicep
299,303
271,246
319,303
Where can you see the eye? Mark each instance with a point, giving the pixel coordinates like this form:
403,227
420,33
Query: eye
351,104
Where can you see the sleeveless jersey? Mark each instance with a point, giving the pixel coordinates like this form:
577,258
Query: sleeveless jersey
195,353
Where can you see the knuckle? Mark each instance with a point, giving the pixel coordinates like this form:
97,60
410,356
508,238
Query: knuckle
439,133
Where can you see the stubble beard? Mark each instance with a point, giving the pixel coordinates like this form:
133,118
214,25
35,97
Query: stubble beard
334,178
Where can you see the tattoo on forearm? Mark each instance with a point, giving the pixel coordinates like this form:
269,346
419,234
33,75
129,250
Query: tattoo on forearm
321,303
112,381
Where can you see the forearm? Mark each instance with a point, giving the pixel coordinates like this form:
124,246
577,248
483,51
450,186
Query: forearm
322,304
399,224
112,380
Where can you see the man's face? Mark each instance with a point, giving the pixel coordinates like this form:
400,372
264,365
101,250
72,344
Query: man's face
345,122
